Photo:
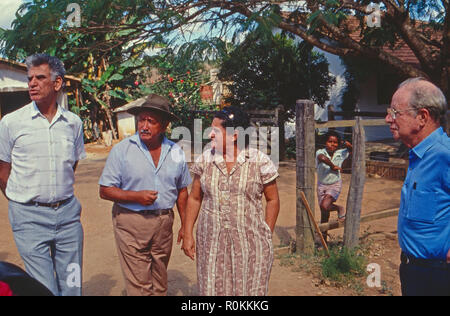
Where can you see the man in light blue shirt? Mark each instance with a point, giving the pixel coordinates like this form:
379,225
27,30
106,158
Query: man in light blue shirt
40,146
417,109
146,175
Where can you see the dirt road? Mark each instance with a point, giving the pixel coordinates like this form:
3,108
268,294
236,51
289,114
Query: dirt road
102,274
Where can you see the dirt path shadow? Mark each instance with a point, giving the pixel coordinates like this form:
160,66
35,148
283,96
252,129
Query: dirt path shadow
180,284
99,285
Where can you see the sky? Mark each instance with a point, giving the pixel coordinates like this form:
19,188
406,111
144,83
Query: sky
8,9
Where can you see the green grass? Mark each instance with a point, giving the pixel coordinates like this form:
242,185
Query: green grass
343,265
343,268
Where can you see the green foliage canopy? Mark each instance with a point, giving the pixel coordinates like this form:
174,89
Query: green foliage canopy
265,73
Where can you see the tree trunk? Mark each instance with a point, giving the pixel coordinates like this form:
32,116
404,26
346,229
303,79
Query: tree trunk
109,115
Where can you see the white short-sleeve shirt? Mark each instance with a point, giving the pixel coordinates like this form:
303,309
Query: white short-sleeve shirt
42,154
324,173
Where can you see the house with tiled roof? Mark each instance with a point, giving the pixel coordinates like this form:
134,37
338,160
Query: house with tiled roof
377,89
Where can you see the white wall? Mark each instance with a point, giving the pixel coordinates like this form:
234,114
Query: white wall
12,79
126,124
337,69
368,99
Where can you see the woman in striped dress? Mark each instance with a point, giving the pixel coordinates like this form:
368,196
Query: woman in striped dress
234,233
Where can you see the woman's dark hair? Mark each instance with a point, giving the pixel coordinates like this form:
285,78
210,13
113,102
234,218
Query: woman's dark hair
233,117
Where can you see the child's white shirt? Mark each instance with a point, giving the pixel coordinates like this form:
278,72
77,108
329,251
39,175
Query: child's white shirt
324,173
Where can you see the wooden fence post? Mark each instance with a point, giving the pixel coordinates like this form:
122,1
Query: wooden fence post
355,194
305,147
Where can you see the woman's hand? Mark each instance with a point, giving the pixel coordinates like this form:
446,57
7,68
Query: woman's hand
189,246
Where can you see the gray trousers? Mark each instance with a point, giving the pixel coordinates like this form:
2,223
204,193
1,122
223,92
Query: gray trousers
50,242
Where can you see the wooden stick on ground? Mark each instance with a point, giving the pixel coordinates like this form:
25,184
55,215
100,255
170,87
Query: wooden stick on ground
311,216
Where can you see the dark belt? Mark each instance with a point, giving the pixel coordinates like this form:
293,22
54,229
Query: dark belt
155,212
54,205
426,263
145,212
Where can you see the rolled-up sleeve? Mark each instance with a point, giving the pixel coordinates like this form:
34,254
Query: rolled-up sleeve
6,144
185,178
111,172
197,166
267,169
80,152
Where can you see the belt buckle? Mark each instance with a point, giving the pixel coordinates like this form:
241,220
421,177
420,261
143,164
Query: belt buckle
405,258
55,206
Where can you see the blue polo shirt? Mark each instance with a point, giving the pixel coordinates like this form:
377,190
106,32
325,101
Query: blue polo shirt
424,216
130,167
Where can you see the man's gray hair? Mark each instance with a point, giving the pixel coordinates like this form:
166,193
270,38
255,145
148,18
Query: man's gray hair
56,66
426,96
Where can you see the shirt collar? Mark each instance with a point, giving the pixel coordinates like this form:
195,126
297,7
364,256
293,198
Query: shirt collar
137,140
35,111
420,149
219,161
243,156
166,146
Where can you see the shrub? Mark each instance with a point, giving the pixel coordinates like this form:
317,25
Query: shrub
343,264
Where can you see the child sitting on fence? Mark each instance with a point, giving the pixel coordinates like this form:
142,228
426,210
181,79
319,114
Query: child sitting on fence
329,182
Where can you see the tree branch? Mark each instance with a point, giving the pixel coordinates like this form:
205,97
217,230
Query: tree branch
401,20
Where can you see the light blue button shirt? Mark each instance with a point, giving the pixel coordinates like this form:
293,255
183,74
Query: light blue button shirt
42,153
424,216
130,167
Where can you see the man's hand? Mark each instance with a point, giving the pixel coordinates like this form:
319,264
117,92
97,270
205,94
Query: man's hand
180,235
147,197
448,256
144,197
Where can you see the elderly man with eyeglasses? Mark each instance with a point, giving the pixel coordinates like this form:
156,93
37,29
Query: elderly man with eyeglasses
417,111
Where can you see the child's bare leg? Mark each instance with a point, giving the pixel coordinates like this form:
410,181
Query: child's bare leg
340,210
328,205
325,204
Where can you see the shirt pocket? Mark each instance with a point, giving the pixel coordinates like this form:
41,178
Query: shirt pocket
68,147
422,206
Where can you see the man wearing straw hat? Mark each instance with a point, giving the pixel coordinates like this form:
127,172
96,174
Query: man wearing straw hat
145,176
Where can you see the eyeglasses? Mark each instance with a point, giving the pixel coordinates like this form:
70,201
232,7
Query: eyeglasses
393,112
